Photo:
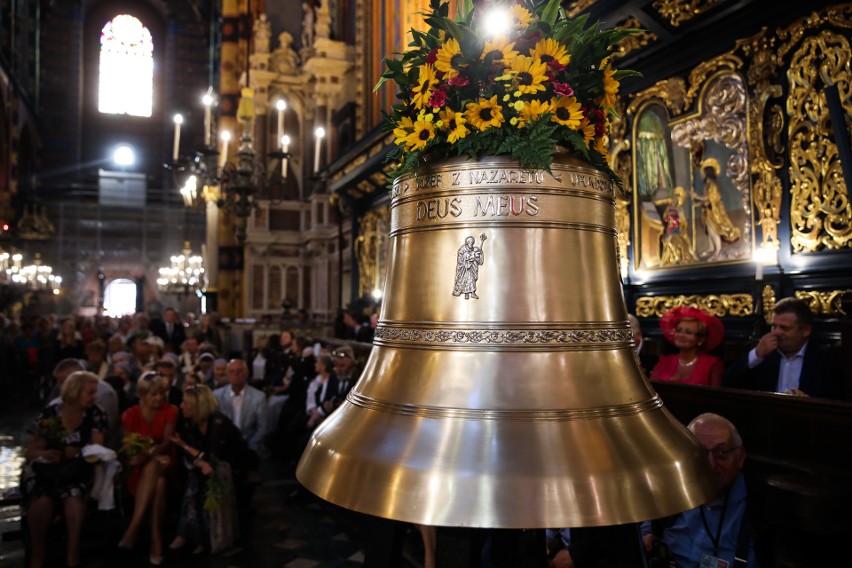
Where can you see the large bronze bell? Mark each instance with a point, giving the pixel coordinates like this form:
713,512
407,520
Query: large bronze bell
503,390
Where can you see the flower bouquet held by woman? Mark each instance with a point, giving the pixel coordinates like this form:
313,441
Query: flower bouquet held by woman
694,332
217,460
517,79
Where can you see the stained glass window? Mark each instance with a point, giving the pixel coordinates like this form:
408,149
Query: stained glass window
126,73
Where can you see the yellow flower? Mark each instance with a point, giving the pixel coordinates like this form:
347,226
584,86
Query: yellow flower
402,130
485,113
588,130
500,49
424,131
446,54
529,74
454,125
548,50
601,145
532,110
422,91
521,17
567,111
608,99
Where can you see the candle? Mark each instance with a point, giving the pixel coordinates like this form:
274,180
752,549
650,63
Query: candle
281,105
285,147
223,156
320,134
176,146
207,101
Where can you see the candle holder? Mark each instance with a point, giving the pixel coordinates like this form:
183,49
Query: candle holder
235,185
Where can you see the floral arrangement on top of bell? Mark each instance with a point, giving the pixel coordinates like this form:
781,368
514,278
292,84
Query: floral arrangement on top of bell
516,78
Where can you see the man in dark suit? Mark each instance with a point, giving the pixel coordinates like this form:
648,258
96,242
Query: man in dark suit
785,360
170,330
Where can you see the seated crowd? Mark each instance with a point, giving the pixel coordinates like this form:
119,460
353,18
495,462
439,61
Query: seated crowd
188,424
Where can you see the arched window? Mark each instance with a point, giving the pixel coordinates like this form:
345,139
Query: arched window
126,68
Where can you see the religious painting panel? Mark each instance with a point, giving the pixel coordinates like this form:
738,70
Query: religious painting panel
692,188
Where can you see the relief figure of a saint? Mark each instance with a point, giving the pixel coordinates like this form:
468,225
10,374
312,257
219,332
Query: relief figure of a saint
468,260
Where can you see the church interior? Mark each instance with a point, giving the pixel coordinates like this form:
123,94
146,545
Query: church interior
229,158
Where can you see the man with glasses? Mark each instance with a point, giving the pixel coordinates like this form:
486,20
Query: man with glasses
713,534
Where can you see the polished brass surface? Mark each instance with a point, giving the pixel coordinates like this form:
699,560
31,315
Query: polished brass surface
502,389
721,305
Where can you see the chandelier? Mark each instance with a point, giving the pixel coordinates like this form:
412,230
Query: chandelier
235,185
35,276
185,275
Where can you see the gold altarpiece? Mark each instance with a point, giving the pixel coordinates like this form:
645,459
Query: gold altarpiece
726,136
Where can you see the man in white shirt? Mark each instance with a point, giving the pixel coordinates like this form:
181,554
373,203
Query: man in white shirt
785,360
243,404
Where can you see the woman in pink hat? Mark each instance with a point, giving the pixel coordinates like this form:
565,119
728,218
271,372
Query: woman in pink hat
693,331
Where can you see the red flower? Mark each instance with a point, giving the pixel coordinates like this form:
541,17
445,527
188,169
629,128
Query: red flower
438,98
555,66
459,81
563,89
432,57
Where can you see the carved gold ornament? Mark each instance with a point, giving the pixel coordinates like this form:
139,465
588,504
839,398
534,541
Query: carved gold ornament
369,249
680,11
768,302
820,213
672,92
738,305
824,303
635,41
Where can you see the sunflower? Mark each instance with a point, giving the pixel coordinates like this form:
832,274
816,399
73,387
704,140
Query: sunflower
610,86
499,49
485,113
531,111
549,50
521,17
422,91
529,74
601,145
402,130
588,130
424,131
567,112
448,56
454,125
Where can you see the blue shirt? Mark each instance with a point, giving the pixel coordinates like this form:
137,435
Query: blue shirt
688,538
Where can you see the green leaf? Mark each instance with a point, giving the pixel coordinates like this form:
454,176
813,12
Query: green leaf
464,10
551,11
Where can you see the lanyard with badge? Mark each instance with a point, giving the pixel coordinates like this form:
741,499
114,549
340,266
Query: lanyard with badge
708,561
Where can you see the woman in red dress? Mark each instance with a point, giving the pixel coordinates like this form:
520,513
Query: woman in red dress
693,331
155,419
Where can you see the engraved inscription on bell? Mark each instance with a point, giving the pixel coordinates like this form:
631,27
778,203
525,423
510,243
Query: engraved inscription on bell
468,260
